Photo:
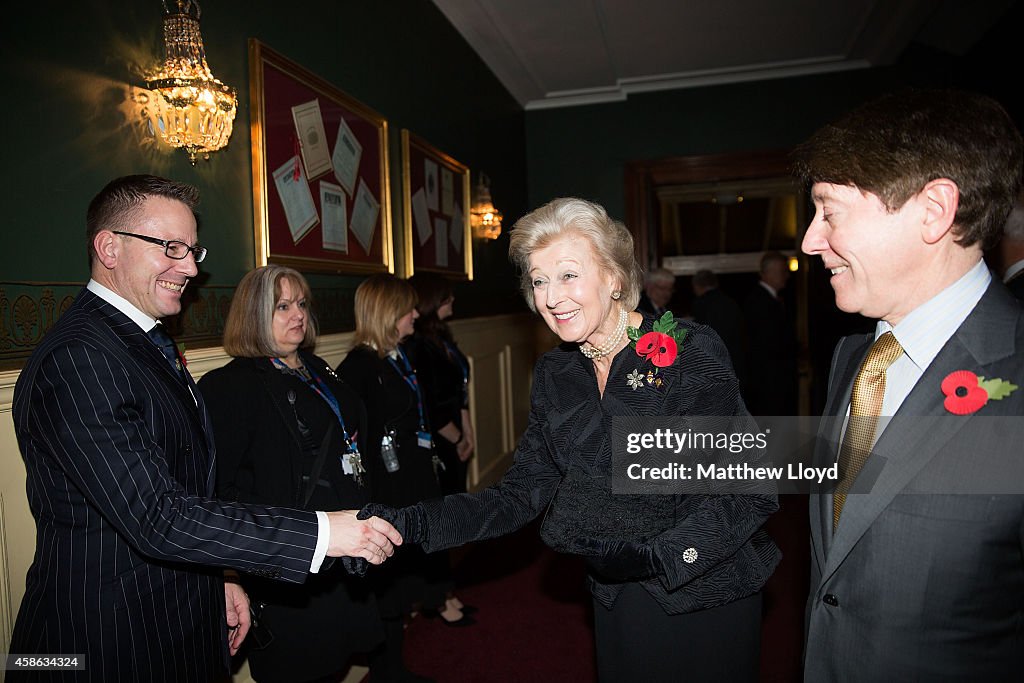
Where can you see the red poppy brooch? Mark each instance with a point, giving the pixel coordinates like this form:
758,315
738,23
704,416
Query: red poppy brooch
660,346
966,392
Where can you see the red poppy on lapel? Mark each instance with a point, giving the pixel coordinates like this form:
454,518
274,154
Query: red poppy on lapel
966,392
963,395
660,346
657,347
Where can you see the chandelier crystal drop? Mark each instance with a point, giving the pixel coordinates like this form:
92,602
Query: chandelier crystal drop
190,109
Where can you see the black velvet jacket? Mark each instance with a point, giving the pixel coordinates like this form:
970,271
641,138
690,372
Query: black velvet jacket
566,449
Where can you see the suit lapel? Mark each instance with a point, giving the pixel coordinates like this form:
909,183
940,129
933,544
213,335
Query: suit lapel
909,443
140,348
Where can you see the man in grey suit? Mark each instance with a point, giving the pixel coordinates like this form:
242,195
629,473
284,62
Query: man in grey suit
917,569
121,471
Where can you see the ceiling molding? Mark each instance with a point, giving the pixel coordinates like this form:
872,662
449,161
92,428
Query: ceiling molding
693,79
562,53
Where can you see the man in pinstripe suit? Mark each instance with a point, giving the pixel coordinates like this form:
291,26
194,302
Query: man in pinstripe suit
120,465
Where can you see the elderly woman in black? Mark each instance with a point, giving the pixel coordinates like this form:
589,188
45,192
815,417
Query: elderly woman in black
399,455
675,579
288,432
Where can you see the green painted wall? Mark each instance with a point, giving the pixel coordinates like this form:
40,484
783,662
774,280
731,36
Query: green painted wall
70,127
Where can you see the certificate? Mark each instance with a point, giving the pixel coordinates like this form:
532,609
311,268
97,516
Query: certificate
457,230
430,183
421,216
364,215
347,152
441,242
293,190
335,217
309,127
447,192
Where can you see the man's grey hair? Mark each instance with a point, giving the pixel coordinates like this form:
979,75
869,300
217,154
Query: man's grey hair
659,275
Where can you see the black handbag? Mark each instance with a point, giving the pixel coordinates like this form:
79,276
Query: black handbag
260,635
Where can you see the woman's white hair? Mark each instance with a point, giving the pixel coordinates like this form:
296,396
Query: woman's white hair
611,241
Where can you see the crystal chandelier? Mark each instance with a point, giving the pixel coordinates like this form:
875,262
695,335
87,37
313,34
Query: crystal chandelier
483,217
191,109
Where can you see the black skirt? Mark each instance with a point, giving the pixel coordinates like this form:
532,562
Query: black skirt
637,641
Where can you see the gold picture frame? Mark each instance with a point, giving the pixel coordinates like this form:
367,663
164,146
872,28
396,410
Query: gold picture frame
300,120
435,207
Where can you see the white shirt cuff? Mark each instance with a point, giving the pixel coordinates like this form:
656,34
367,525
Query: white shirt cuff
323,539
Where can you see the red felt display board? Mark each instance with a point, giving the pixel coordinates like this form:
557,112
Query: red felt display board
279,86
435,203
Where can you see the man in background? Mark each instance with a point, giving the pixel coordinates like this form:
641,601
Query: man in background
1008,256
130,546
772,346
916,569
659,286
715,308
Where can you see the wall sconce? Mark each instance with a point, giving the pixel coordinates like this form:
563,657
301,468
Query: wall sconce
190,109
794,264
483,217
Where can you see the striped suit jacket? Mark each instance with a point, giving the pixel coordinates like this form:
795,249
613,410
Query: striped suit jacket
120,468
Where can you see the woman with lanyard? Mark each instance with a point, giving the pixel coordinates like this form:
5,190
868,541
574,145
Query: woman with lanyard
443,373
289,432
398,454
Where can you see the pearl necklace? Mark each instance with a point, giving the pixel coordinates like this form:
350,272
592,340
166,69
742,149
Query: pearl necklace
614,339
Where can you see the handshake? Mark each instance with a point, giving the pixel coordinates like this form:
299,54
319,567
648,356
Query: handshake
371,534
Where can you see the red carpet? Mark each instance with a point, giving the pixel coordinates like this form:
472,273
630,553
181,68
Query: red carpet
535,621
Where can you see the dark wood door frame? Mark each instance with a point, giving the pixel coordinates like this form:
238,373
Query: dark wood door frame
643,178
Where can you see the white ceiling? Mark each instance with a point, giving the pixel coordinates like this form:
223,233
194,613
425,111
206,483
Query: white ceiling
557,53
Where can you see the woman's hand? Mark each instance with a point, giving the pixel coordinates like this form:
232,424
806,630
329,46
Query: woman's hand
467,444
410,521
619,560
450,432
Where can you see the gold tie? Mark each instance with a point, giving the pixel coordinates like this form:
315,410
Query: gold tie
868,390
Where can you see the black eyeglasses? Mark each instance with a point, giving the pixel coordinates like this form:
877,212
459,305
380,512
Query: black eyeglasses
172,248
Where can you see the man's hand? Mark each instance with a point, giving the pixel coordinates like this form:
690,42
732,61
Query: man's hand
237,613
372,539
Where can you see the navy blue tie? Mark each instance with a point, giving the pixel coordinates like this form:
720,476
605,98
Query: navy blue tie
168,348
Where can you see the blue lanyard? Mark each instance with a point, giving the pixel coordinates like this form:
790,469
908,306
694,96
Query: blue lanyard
409,377
324,392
